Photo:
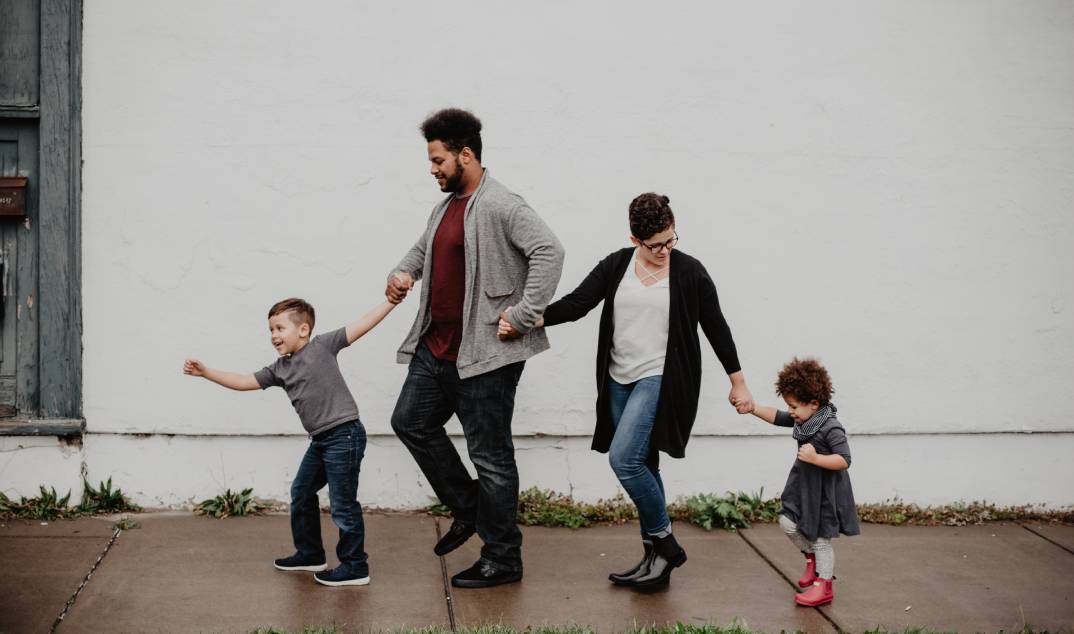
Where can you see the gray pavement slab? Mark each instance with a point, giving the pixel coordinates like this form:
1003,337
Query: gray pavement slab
81,527
963,579
566,583
44,563
1059,533
179,572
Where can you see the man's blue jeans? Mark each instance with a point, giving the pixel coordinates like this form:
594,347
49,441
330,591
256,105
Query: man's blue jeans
334,458
484,404
633,409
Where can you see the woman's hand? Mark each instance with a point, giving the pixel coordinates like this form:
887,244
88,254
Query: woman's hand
506,331
740,397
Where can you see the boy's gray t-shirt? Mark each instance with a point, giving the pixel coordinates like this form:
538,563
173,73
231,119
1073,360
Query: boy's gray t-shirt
313,382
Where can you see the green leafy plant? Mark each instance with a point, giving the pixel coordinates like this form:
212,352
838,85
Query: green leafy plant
547,508
731,511
104,499
46,506
125,524
439,509
228,504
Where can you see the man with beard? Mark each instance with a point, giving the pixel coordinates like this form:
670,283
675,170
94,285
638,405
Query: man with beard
483,249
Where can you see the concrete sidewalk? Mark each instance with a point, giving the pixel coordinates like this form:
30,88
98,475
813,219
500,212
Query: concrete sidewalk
182,573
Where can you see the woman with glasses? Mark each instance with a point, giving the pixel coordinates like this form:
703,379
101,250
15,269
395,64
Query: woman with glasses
649,367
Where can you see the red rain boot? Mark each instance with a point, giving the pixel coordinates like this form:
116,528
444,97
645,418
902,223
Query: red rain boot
819,594
810,574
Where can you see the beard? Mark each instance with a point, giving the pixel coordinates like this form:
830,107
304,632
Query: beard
453,183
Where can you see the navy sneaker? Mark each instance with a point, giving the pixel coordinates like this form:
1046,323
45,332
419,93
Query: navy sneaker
341,576
297,561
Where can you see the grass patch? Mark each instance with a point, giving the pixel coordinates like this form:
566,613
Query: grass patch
49,505
732,511
735,627
898,513
548,508
230,504
46,506
105,499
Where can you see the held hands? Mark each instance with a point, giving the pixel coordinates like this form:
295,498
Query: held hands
741,399
398,287
807,453
505,331
193,367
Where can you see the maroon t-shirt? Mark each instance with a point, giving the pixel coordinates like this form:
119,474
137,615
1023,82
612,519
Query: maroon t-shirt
447,286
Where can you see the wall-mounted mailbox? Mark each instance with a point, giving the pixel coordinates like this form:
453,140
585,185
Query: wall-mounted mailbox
13,196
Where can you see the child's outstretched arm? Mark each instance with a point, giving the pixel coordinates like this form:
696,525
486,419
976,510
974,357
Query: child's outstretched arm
765,413
356,329
233,380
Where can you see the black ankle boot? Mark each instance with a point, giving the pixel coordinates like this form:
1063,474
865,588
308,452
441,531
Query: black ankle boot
667,556
623,578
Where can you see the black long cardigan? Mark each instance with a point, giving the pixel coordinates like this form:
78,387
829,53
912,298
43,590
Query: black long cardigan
693,302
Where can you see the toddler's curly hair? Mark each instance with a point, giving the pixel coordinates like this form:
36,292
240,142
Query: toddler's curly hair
805,380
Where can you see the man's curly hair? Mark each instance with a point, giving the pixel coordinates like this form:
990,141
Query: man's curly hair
649,215
805,380
456,129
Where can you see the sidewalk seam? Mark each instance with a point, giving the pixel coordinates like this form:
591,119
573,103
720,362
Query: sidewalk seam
1046,538
791,583
85,580
448,597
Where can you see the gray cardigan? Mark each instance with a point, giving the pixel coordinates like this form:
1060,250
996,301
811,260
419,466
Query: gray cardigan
512,259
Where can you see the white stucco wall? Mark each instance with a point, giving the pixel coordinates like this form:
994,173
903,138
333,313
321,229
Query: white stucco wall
886,185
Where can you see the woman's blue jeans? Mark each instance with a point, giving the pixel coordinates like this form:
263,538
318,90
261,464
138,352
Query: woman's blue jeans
633,409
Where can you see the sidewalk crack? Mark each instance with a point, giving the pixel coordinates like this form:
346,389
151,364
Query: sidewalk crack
448,597
85,580
1046,538
790,582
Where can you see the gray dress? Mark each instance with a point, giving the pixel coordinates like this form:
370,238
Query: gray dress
820,501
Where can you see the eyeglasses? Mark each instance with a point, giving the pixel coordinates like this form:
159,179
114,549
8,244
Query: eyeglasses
669,245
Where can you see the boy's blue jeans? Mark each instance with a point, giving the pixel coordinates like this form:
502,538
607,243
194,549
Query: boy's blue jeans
484,404
334,458
633,409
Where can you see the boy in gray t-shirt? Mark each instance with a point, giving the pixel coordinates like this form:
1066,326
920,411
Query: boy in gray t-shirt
307,369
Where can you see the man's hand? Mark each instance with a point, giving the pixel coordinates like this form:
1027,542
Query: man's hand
807,453
398,287
193,367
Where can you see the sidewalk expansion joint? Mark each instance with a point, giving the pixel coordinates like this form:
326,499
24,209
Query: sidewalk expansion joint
447,584
85,580
1046,538
790,582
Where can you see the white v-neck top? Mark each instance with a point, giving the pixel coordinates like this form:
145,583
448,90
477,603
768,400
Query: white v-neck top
640,335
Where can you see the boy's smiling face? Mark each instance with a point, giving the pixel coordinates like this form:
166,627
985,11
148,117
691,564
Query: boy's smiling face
287,336
800,411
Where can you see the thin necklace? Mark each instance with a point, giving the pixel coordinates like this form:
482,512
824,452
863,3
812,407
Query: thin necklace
650,274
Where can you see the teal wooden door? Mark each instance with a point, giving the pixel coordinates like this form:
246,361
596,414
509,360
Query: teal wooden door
40,264
18,273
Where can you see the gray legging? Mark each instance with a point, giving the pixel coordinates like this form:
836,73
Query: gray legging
821,549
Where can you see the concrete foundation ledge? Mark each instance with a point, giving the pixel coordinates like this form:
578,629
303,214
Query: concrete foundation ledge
172,471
